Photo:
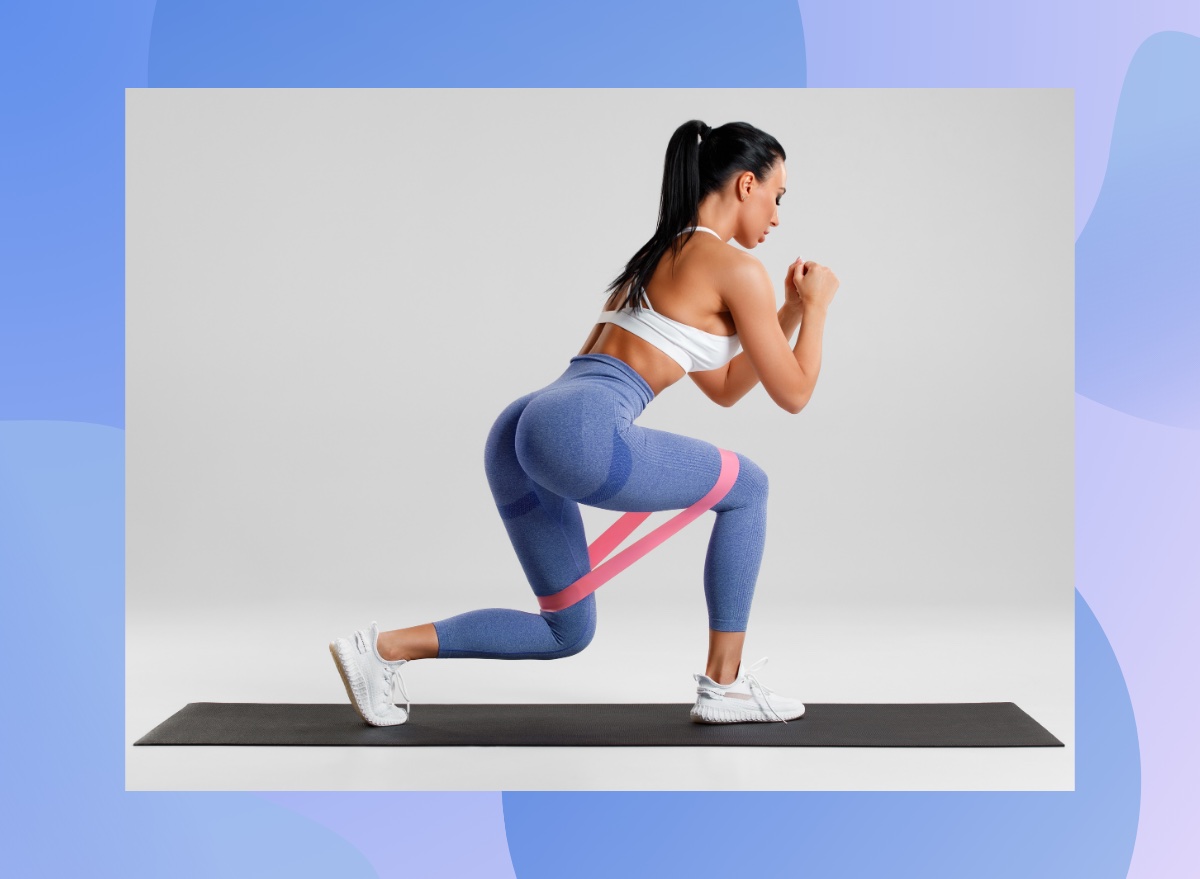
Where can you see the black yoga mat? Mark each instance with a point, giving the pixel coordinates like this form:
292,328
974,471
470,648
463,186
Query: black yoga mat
931,725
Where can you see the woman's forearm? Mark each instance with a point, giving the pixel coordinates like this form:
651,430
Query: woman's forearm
808,346
741,377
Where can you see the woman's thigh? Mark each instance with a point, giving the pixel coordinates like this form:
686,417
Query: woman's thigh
582,445
572,443
663,470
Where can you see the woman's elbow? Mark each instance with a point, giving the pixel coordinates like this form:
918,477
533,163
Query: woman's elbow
799,404
791,407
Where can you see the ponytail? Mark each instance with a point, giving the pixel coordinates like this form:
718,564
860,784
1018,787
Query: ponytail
700,160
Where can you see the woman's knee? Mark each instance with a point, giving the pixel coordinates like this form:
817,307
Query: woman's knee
751,486
574,627
755,476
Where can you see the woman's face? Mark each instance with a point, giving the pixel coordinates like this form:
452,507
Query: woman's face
760,210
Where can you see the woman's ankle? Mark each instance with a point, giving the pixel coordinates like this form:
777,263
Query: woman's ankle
724,676
415,642
390,646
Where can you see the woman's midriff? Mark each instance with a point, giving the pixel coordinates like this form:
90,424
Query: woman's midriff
657,367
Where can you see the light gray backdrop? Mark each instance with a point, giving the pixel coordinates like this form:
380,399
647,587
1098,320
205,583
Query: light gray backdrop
331,294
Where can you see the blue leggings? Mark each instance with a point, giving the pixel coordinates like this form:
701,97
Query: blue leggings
575,442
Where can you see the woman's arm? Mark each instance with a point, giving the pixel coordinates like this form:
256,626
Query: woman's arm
788,376
741,377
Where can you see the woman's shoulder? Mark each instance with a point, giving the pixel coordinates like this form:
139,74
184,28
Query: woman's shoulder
741,277
718,256
731,267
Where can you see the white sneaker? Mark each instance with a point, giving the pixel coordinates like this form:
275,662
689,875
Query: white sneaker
746,699
369,678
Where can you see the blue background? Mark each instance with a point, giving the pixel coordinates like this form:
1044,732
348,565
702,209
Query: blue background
66,65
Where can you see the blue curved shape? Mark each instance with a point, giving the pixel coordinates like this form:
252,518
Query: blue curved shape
985,835
203,835
322,44
64,68
413,833
62,566
1137,311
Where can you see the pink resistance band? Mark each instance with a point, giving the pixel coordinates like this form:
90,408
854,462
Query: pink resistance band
623,527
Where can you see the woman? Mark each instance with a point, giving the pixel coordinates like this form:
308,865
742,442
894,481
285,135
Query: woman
575,441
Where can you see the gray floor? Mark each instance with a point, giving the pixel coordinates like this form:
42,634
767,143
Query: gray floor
835,654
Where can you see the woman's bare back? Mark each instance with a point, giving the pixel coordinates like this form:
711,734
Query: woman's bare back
685,289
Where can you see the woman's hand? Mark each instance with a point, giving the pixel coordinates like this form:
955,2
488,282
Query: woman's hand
815,284
791,293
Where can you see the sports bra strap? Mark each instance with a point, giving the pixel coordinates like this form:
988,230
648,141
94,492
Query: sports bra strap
624,526
703,228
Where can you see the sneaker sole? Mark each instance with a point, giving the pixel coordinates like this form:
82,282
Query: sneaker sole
356,687
709,714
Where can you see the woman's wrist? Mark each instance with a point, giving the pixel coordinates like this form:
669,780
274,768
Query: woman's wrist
792,308
789,318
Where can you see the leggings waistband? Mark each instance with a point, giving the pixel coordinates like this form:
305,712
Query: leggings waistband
605,364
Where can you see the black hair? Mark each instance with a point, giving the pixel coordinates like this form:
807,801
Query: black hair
699,160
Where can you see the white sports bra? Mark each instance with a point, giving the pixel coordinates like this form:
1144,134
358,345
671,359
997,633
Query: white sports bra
693,349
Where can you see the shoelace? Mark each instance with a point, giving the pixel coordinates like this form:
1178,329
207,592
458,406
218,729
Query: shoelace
754,682
391,675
